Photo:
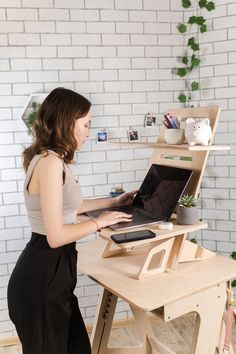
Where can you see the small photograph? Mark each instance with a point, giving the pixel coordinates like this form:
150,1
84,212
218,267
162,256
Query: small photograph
133,135
102,136
150,120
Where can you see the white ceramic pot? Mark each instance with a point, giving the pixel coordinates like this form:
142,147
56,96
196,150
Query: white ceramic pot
174,136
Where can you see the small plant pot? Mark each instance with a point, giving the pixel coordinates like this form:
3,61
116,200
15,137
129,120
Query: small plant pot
174,136
187,216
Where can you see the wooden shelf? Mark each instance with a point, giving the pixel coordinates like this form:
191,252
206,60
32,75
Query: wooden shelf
178,147
161,234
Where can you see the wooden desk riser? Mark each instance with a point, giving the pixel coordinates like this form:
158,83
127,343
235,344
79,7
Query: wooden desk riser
162,253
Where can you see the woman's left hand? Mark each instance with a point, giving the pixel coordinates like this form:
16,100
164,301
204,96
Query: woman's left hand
125,198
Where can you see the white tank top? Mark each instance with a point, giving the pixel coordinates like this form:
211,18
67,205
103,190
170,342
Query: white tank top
72,198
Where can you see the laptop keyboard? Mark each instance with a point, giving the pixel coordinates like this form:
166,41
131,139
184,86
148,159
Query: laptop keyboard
139,213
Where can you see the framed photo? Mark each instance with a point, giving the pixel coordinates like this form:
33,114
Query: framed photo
150,120
102,136
133,135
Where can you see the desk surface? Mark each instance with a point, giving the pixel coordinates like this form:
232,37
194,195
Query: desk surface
117,274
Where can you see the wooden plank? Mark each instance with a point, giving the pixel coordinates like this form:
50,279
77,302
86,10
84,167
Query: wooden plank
177,147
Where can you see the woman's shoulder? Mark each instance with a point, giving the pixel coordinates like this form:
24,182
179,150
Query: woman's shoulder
49,161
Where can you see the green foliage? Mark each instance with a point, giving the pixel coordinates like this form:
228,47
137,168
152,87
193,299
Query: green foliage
233,255
199,20
194,86
233,283
182,72
185,60
203,28
182,28
187,201
202,3
186,4
209,5
193,240
30,119
182,98
192,61
191,43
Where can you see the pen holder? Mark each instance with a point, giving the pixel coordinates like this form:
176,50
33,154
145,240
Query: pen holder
174,136
115,192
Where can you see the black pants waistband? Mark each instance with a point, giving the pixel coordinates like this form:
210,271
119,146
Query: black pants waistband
40,241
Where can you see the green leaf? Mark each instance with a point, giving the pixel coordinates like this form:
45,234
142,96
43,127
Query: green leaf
194,61
233,255
191,41
210,6
185,60
182,98
186,4
202,3
193,240
200,20
194,86
182,72
182,28
192,20
233,283
195,47
187,201
203,28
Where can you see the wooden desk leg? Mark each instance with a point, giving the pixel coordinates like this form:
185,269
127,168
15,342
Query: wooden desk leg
102,329
209,305
148,335
103,322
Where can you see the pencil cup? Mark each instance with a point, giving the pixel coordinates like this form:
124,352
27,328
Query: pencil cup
174,136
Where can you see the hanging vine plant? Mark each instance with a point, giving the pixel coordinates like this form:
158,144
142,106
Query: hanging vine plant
191,59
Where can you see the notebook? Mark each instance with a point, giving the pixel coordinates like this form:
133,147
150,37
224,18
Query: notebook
156,198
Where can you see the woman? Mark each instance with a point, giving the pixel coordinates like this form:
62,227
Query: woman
40,291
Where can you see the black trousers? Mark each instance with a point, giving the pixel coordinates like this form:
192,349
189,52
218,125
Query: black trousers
41,302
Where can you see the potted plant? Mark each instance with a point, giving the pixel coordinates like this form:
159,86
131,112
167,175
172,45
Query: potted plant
187,210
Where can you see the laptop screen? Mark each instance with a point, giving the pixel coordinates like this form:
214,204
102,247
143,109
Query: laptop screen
161,189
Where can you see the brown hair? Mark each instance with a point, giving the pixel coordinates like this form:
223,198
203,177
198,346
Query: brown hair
54,125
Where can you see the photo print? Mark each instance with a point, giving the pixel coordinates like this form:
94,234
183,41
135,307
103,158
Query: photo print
102,136
133,135
150,120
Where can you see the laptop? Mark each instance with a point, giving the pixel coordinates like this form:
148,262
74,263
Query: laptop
156,198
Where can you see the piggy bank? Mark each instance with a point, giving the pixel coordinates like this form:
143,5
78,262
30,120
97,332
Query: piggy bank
198,132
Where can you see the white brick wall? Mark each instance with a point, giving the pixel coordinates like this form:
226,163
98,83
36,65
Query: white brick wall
119,54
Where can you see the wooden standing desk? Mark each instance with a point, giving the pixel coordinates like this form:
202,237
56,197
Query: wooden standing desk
197,285
194,286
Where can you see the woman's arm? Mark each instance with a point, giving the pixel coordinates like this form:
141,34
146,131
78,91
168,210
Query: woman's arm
49,172
95,204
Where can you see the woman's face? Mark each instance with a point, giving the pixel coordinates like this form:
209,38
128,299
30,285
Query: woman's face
81,131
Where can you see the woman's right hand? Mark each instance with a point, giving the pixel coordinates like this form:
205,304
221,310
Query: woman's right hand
112,217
